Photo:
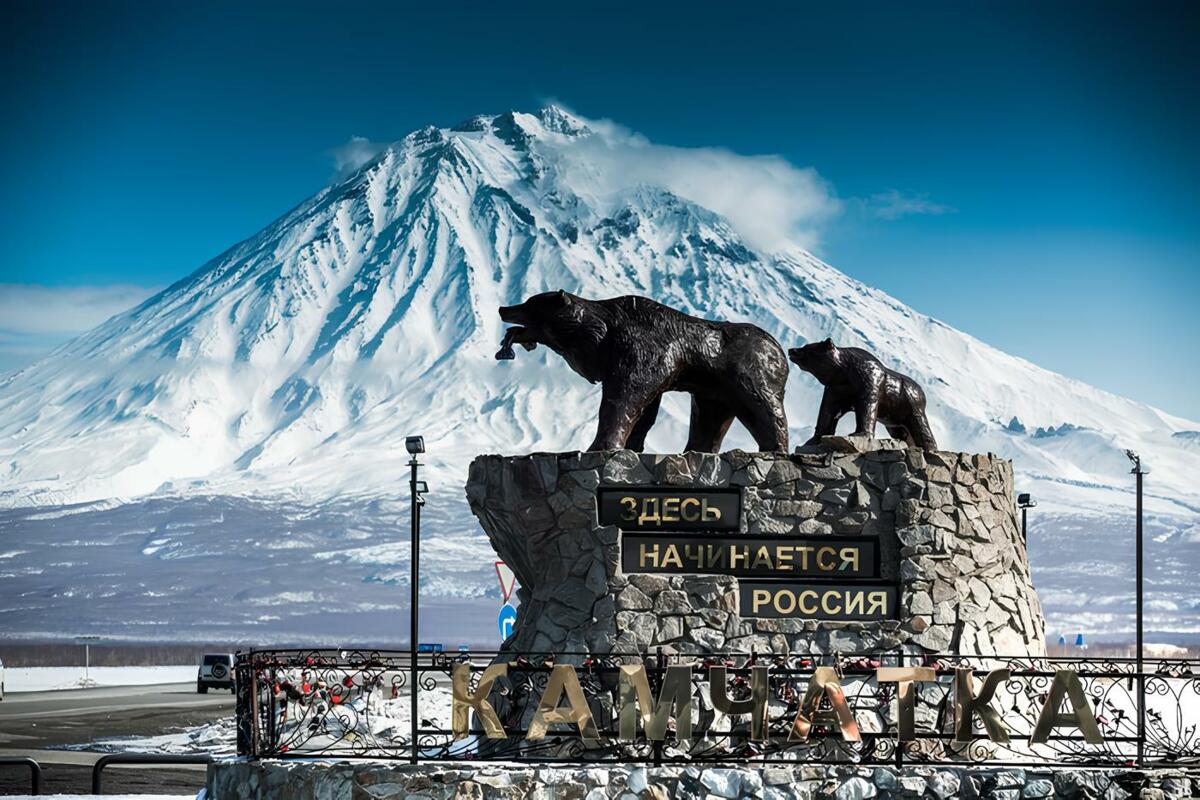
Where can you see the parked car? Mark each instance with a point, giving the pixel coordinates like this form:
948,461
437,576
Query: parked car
216,672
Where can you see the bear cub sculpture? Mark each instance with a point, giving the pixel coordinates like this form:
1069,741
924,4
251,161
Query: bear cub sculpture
855,380
638,349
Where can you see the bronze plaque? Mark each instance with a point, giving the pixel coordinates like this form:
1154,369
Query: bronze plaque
670,509
817,600
750,556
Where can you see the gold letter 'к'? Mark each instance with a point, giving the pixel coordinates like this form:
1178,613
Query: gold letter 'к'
967,704
563,679
756,706
464,701
676,695
1067,683
824,682
905,698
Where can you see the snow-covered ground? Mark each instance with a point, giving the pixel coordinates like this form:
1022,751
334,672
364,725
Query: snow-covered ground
372,718
43,679
217,738
110,796
231,569
227,456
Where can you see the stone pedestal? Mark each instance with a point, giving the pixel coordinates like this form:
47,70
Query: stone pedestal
945,524
268,780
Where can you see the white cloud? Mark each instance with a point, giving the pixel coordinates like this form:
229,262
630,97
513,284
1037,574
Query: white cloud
772,203
35,319
348,157
33,309
894,204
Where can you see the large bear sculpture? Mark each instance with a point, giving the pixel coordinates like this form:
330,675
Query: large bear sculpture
637,349
855,380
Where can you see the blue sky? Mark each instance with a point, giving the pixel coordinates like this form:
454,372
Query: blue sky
1026,172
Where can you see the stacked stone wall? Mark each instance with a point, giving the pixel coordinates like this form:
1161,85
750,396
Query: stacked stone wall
945,523
366,781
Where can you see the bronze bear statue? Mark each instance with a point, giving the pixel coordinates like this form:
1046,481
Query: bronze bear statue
637,349
856,381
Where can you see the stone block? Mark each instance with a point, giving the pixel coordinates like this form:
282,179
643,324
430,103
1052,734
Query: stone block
855,788
672,601
649,584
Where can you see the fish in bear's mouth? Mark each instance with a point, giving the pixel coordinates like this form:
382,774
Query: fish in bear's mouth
506,352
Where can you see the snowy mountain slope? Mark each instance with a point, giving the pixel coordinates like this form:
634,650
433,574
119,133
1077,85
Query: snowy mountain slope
368,312
289,368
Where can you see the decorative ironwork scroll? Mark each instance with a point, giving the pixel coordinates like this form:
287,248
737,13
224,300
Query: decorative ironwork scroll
661,709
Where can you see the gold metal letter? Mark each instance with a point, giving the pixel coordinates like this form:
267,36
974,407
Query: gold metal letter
824,682
647,515
759,598
464,701
756,706
563,679
670,509
905,697
628,508
967,704
1066,683
676,695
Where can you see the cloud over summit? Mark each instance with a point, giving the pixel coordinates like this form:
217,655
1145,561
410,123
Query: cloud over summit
772,203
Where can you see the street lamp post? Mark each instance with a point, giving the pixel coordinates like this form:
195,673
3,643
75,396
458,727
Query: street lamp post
1138,473
87,657
1025,502
415,445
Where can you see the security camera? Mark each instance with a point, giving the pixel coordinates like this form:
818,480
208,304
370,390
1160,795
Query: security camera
1025,500
414,444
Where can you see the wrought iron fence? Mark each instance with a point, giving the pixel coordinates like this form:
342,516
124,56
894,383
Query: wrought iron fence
355,704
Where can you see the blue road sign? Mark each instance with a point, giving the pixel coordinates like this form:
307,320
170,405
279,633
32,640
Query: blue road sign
1062,639
1079,641
506,619
430,647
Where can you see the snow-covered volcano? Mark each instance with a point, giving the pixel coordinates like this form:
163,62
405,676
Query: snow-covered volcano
292,365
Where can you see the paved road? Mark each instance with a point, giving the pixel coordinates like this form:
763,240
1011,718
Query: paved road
31,722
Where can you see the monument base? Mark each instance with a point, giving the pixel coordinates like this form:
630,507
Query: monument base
311,780
938,534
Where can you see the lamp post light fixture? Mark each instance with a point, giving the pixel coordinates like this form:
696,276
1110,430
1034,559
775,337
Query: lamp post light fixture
1138,472
1025,502
415,445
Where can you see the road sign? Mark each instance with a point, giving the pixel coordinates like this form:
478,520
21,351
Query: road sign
430,647
507,579
506,619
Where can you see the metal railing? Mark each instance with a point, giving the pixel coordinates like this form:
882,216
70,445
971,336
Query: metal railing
354,704
35,770
140,759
